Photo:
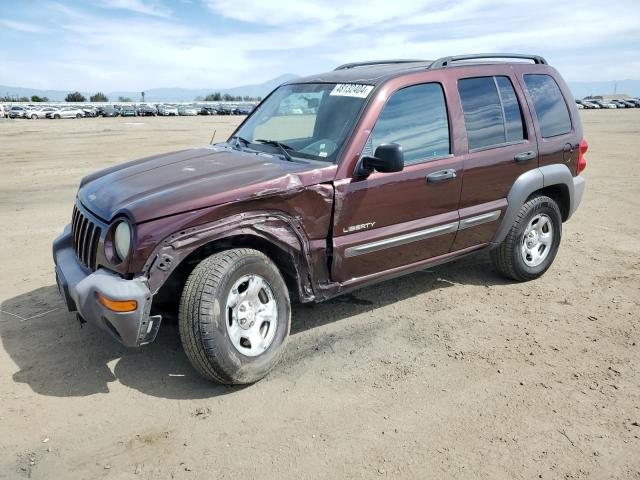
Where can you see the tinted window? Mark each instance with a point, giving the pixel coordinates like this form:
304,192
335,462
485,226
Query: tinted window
548,102
492,114
511,108
482,112
415,118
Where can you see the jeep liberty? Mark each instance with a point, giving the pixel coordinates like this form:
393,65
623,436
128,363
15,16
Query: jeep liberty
335,181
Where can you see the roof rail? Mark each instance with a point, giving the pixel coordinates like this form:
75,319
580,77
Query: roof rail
347,66
445,61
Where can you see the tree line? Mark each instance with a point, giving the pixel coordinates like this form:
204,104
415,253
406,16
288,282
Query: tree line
15,98
218,97
72,97
101,97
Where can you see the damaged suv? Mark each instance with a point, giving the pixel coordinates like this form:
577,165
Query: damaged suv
333,182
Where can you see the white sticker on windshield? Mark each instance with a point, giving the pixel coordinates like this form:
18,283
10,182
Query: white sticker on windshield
351,90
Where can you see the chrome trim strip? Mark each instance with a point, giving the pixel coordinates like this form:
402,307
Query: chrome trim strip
479,219
400,240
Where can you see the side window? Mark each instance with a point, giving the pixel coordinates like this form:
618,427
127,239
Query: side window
549,105
511,109
415,118
492,114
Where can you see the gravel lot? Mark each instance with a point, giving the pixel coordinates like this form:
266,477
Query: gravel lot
451,372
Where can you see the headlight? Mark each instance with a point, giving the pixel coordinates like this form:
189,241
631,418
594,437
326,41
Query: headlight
122,239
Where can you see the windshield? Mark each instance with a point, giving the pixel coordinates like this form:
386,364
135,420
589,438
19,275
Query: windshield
309,120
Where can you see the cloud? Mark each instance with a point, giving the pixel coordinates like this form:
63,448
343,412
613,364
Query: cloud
138,6
23,26
333,14
141,44
374,29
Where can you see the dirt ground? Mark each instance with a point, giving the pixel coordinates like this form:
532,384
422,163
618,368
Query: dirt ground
452,372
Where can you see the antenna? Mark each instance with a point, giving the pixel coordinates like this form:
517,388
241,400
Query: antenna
212,137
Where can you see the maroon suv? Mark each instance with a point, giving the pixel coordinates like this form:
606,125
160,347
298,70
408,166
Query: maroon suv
335,181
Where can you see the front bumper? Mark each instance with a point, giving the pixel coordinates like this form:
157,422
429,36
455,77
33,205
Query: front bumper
79,288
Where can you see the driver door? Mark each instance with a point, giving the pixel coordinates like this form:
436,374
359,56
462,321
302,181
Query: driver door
390,220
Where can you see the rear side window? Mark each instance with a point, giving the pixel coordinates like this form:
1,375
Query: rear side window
416,118
511,109
548,102
492,114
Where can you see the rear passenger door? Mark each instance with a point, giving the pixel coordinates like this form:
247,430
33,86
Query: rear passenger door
557,141
500,148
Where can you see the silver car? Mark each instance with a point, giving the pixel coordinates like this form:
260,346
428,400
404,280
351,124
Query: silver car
187,110
16,111
66,112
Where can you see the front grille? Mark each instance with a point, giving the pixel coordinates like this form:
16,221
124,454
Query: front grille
85,235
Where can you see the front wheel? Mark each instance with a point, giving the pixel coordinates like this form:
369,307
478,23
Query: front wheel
533,241
235,316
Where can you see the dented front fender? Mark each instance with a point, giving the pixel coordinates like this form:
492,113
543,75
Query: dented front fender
276,228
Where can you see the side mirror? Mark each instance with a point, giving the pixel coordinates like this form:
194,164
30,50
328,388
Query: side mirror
387,158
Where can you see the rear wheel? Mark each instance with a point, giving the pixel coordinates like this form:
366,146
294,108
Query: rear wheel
79,115
533,241
34,116
57,117
235,316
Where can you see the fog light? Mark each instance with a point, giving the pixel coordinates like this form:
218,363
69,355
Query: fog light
117,305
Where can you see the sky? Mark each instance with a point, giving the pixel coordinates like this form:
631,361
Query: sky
110,45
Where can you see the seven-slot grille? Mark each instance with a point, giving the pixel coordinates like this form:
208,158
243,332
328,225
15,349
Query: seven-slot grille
85,235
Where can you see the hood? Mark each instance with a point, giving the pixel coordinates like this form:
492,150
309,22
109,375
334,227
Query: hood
191,179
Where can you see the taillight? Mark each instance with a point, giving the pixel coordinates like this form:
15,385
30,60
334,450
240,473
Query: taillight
582,162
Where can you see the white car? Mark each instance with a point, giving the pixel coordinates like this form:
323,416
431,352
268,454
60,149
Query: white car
35,113
66,112
167,110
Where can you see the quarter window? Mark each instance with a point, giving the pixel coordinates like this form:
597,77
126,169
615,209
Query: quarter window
416,118
511,109
548,102
492,114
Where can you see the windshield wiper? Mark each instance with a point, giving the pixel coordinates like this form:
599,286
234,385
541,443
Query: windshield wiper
239,139
283,147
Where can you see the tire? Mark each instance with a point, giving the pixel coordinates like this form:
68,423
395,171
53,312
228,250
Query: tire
206,323
78,116
524,259
57,117
34,117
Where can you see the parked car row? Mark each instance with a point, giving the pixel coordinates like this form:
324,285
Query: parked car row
596,103
35,112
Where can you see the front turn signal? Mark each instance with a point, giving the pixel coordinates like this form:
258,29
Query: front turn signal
117,305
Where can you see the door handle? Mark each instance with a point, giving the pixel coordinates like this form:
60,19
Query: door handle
524,156
441,176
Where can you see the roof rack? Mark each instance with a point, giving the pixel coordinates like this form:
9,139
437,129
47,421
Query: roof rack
445,61
347,66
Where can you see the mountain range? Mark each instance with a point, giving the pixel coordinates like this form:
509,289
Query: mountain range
156,94
579,89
